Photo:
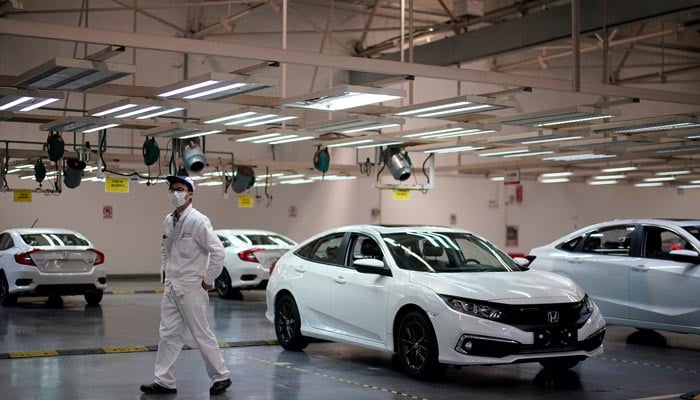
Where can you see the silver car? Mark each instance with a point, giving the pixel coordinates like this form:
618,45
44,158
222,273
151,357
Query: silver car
643,273
49,262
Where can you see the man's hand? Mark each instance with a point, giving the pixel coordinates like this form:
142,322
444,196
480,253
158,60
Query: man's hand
207,287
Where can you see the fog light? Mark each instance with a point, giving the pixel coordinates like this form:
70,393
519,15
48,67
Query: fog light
102,280
467,346
23,282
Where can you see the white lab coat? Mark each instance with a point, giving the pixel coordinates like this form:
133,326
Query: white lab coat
190,254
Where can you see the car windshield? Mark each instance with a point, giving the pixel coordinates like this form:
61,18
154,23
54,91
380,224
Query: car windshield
264,239
693,230
53,239
446,252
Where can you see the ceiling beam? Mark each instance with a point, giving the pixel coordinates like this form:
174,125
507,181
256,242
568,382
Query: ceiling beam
192,46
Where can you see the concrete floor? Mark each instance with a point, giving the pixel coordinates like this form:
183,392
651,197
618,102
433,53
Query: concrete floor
126,326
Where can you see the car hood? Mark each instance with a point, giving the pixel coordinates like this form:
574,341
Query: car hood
529,287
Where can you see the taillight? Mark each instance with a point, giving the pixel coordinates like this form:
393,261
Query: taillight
273,265
100,257
248,255
25,257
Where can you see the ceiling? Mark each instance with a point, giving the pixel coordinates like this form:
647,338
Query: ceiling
652,57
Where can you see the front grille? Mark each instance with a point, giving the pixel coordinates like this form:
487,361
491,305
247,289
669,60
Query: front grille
531,317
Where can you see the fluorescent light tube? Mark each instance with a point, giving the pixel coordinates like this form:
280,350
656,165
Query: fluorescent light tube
199,134
156,114
556,174
15,102
188,88
649,184
99,128
619,169
39,104
215,90
114,110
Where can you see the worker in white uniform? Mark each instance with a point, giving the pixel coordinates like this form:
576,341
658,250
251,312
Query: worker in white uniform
192,257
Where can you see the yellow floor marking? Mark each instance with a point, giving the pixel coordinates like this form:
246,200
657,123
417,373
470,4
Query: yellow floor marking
38,353
123,292
124,349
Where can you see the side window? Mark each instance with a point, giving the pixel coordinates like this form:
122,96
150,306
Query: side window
610,240
327,249
659,242
6,241
224,242
570,245
364,247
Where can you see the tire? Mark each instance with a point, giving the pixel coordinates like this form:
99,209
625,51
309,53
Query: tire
222,284
417,347
288,325
560,363
6,298
93,297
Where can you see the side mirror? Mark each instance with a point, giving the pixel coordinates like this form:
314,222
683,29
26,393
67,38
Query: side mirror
371,266
688,256
522,262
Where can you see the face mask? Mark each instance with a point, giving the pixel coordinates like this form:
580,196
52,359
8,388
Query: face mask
177,198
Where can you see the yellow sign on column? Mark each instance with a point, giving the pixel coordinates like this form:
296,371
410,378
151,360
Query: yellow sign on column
245,201
401,194
23,196
117,185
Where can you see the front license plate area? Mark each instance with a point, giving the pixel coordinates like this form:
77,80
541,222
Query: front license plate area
555,337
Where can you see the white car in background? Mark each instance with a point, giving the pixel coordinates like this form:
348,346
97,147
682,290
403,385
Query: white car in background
248,256
643,273
432,295
49,262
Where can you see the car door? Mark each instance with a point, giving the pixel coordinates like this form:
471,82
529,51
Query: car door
313,270
600,265
662,290
359,300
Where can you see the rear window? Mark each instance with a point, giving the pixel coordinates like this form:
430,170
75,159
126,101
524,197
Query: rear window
693,230
54,239
257,240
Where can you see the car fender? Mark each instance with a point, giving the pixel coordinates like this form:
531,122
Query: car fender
411,295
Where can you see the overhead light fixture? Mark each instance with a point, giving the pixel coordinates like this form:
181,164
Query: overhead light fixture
274,136
365,142
214,86
619,169
73,75
602,182
688,187
563,116
192,155
353,123
453,106
23,100
609,177
554,180
650,125
453,149
660,179
556,174
498,178
649,184
343,97
138,108
250,117
552,139
398,162
529,154
502,152
451,131
681,172
296,181
578,157
183,130
80,124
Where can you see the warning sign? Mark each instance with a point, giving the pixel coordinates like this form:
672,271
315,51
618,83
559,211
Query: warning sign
401,194
245,201
23,196
107,212
117,185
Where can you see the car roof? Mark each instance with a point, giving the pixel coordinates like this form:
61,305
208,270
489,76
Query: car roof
28,231
662,221
246,232
387,229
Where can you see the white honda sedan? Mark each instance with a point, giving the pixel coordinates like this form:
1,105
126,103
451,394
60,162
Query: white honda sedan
249,253
49,262
643,273
432,295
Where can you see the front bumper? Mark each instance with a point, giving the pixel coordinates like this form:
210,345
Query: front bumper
466,340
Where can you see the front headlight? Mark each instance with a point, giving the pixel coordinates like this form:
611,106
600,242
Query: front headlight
587,305
473,307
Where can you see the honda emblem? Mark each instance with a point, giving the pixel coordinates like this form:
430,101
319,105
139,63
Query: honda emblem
552,317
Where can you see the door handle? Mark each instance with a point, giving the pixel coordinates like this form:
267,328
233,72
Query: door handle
339,280
299,268
640,268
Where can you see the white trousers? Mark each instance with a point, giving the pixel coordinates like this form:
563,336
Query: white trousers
176,312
